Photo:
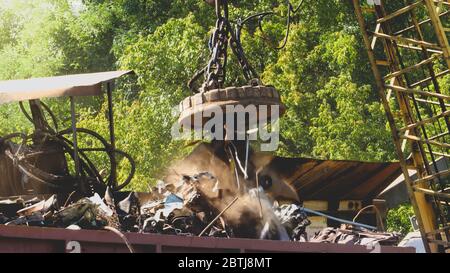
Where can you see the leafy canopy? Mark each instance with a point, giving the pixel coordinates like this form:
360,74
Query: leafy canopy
332,108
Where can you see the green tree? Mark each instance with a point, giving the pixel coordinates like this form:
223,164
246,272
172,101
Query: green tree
348,124
398,219
322,73
29,49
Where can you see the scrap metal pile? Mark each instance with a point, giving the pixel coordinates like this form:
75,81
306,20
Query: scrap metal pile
231,200
181,209
185,208
350,236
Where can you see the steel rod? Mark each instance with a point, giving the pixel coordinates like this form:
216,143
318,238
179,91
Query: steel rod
440,74
410,68
415,91
74,135
218,216
113,175
399,12
420,23
424,121
339,220
406,40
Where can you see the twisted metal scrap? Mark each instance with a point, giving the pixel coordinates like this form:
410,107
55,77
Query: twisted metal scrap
88,168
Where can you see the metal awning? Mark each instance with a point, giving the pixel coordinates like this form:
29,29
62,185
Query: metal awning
61,86
334,179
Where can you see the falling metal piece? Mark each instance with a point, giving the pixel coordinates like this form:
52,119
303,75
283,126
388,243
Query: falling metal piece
218,216
258,192
239,164
247,150
234,167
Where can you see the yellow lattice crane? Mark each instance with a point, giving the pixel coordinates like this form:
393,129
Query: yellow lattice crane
408,49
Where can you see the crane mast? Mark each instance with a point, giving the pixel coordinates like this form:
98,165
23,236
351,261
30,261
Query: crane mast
414,100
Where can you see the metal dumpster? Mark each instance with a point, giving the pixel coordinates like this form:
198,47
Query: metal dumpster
22,239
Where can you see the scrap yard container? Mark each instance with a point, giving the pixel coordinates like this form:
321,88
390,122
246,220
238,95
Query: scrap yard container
22,239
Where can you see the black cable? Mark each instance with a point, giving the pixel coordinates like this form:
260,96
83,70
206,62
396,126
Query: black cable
52,115
87,168
110,152
49,111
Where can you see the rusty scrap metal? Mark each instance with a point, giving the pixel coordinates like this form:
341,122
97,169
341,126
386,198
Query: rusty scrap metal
347,234
44,206
83,213
9,208
38,164
184,208
53,175
35,219
3,219
294,219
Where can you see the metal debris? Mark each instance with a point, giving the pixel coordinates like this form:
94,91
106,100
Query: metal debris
3,219
183,208
9,208
35,219
82,213
347,234
294,219
43,206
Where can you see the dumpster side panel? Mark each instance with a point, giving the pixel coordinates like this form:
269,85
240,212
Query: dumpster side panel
55,240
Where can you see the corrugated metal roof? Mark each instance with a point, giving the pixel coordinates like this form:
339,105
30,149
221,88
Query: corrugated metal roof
336,180
70,85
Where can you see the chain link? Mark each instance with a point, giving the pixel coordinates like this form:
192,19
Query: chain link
250,74
225,35
215,72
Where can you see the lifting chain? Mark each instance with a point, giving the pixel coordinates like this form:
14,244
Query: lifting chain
218,44
225,35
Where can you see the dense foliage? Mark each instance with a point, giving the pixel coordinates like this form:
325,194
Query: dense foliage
398,219
322,74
